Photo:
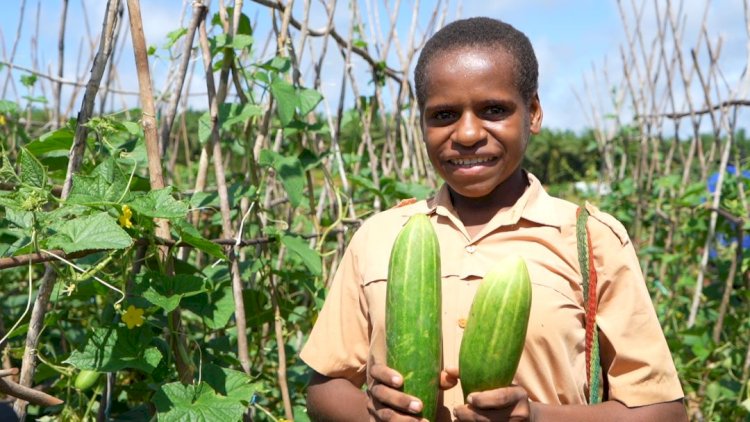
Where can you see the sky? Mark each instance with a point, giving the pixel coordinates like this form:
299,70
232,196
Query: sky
574,40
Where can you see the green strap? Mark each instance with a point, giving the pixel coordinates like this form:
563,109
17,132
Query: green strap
593,365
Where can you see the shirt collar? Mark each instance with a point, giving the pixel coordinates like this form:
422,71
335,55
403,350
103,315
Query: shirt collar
535,205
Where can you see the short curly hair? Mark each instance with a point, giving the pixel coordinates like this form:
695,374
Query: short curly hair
480,32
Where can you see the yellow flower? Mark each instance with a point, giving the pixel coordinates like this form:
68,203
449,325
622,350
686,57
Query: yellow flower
2,120
125,217
133,317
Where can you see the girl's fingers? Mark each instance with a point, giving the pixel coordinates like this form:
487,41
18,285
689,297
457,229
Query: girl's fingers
448,378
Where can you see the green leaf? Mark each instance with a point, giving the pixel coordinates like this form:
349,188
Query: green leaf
195,403
57,140
299,247
7,172
32,172
278,64
365,182
292,178
173,36
18,218
28,80
109,350
290,171
286,100
242,41
309,160
98,231
244,26
230,383
204,127
159,204
8,107
240,113
107,183
192,236
166,292
412,190
216,308
308,100
133,128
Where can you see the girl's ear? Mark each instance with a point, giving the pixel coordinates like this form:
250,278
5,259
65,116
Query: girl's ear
535,115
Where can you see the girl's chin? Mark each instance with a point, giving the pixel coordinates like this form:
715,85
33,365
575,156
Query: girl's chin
472,192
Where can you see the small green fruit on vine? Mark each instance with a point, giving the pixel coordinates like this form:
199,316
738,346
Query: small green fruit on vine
86,379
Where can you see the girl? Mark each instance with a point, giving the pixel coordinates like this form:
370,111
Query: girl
476,84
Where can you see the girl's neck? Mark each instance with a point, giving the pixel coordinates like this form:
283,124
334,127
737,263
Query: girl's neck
475,213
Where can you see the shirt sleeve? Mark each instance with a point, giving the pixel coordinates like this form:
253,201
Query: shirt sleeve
634,352
338,344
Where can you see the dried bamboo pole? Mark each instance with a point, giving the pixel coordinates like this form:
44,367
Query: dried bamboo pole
713,218
13,49
284,45
28,366
216,97
731,276
341,41
185,367
199,11
25,393
60,63
34,53
100,62
114,63
36,324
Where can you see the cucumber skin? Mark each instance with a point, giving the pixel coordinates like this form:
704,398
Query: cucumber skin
496,328
413,312
86,379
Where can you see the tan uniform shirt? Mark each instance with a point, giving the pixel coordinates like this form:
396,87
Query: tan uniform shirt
350,331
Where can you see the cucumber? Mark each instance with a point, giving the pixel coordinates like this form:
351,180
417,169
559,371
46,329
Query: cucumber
86,379
413,313
496,328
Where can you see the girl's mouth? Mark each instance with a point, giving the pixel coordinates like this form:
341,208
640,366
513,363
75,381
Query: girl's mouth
469,162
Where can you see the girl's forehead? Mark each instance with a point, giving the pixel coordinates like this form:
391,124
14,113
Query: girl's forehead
474,52
466,56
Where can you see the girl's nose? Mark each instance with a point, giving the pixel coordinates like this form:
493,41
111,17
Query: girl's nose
469,130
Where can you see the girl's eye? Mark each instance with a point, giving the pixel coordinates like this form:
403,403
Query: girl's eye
494,110
443,115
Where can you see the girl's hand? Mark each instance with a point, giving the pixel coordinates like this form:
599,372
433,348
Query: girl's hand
502,404
387,403
385,400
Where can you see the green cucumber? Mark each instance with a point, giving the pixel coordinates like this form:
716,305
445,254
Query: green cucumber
496,328
86,379
413,315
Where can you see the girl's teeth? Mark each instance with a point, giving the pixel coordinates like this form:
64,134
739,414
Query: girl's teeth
469,161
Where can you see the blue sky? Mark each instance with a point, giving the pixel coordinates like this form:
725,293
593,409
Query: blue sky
570,38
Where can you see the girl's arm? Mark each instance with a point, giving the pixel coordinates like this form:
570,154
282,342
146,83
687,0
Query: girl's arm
335,399
512,404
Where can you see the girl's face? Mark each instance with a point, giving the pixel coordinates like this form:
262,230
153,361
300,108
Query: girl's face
475,122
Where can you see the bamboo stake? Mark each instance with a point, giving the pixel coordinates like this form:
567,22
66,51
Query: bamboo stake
114,62
184,365
60,62
9,77
28,366
199,10
217,97
100,62
25,393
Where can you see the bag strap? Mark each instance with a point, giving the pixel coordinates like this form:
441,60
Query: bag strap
588,271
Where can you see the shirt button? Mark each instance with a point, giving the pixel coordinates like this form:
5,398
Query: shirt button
471,249
462,322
